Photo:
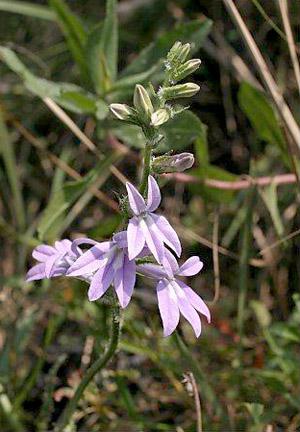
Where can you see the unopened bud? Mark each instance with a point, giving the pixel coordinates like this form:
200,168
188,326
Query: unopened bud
178,53
122,111
178,91
176,163
187,68
160,117
142,102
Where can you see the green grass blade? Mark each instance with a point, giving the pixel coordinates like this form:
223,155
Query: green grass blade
27,8
8,155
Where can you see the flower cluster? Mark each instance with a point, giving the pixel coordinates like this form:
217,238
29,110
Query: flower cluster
116,262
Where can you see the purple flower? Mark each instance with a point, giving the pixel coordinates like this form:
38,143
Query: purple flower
174,296
55,260
147,228
109,263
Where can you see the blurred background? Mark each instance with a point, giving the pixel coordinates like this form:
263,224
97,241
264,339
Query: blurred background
57,183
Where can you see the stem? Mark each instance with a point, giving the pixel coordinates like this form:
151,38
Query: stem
146,169
99,364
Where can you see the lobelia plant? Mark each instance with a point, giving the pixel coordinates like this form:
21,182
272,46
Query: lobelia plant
141,248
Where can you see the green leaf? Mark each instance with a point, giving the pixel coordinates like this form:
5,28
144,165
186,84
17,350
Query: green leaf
201,146
130,81
73,31
180,132
269,196
61,201
102,50
211,193
262,314
130,135
11,169
69,96
262,117
27,8
193,32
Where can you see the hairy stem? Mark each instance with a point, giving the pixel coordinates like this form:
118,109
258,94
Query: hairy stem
146,169
99,364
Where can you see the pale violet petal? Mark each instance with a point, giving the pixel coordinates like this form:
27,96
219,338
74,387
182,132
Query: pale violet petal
167,233
135,238
136,201
195,300
50,264
186,309
191,267
124,281
37,272
90,261
101,281
154,196
152,270
121,239
153,240
43,252
170,262
168,307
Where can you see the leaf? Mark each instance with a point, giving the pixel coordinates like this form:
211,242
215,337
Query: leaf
211,193
255,410
201,146
107,227
130,81
269,196
61,201
27,8
74,32
7,152
69,96
193,32
180,132
262,117
130,135
102,50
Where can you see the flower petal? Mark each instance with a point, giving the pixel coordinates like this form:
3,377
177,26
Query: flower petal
37,272
186,308
135,238
90,260
101,281
152,270
152,238
50,264
170,263
63,246
168,234
168,307
121,239
43,252
80,241
136,201
195,300
124,281
154,196
191,267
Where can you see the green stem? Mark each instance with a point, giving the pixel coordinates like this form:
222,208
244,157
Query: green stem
99,364
147,168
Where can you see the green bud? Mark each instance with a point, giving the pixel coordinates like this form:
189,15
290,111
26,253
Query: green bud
174,51
186,69
122,111
176,163
178,91
142,102
184,52
159,117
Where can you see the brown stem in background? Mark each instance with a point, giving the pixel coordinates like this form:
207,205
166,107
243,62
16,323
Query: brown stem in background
235,185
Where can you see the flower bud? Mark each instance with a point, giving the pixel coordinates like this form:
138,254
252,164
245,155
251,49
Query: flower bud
178,91
122,111
159,117
142,102
178,53
176,163
187,68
